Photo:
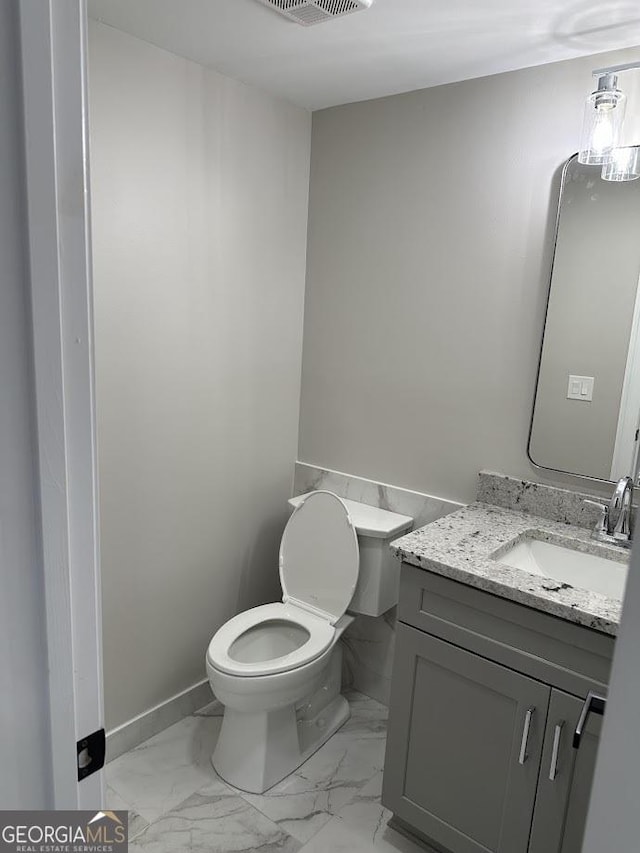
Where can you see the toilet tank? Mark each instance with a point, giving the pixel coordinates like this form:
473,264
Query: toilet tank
379,571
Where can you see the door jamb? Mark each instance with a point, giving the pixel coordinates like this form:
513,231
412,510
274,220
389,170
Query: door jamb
53,36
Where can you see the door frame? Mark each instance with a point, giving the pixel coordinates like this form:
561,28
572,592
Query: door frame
53,36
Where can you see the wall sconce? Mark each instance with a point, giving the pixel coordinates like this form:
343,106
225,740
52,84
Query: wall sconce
601,142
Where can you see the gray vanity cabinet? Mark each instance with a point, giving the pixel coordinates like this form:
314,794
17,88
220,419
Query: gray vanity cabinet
464,748
565,778
485,698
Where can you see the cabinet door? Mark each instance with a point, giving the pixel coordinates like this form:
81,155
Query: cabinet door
565,781
464,746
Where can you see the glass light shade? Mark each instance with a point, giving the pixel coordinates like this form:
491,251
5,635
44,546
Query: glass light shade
624,165
603,116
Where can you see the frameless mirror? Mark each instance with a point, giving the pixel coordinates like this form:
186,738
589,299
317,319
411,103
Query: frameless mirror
586,412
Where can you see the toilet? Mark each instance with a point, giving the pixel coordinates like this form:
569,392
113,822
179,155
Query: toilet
277,668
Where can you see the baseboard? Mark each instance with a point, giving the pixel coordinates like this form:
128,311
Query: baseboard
141,728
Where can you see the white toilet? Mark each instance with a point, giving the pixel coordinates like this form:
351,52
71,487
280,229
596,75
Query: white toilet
277,668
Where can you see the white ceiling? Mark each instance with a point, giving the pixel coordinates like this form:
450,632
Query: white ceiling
396,46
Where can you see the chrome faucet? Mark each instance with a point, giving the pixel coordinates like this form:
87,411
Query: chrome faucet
615,522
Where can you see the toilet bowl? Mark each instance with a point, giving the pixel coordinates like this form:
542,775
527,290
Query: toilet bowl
277,668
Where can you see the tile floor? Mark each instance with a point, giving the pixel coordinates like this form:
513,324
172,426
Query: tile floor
332,803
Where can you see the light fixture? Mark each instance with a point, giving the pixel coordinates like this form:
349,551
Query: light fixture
603,116
624,165
607,139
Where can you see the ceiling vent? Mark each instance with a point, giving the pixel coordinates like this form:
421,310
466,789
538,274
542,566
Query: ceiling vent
309,12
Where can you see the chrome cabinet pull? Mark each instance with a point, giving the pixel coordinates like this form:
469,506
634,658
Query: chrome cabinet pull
594,703
525,736
553,767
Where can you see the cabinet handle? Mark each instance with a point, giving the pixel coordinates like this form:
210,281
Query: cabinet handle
525,736
594,703
553,767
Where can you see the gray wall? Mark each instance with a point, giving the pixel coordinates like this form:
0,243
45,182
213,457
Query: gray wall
430,234
25,772
200,199
593,293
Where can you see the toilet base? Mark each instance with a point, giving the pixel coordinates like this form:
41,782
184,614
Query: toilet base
257,750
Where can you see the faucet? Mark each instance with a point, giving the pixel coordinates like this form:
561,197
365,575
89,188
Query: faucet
615,522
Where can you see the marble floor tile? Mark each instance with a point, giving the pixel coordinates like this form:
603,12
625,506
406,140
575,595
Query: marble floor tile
368,717
361,827
115,802
214,822
162,772
307,799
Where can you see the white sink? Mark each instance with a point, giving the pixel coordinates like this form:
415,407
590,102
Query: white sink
585,571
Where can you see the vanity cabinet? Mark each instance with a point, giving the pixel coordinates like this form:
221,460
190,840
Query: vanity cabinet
485,699
464,746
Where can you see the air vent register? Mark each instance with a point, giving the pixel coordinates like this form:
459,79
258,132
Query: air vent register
310,12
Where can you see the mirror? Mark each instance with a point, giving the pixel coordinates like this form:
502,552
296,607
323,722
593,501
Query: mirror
586,412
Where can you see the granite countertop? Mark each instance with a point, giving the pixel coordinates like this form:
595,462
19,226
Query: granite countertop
465,545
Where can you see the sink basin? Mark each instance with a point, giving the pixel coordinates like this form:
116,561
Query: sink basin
567,566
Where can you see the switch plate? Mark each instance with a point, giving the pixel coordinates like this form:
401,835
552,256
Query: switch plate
580,388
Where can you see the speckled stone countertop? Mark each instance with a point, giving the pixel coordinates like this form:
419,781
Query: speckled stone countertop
465,546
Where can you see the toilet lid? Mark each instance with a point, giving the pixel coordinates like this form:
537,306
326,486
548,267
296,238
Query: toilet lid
319,556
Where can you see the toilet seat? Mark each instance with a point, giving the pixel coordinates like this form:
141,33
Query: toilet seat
320,556
319,562
321,634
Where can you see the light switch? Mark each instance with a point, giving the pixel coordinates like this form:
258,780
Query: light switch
580,388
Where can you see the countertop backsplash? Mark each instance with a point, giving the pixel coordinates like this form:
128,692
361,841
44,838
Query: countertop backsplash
551,502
